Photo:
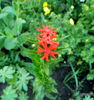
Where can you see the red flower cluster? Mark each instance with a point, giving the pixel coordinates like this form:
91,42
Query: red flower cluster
47,45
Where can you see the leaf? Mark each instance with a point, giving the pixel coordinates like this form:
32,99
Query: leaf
9,94
39,96
3,15
31,54
88,98
7,14
23,96
6,73
9,10
2,54
23,38
23,79
18,26
90,76
2,39
8,32
10,43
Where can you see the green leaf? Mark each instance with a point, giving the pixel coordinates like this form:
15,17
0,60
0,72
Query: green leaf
7,14
18,26
3,15
9,94
88,98
10,43
90,76
9,10
23,96
2,39
6,73
39,96
23,38
2,54
31,54
8,32
23,79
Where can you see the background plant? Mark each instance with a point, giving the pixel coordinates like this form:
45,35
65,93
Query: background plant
19,63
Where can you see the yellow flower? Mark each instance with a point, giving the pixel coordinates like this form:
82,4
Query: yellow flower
46,10
45,4
71,21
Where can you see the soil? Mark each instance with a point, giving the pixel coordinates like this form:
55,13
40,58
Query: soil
59,75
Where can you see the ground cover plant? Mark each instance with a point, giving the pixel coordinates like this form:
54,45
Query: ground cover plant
46,49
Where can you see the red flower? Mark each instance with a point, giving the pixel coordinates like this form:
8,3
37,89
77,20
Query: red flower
47,44
47,51
47,40
47,32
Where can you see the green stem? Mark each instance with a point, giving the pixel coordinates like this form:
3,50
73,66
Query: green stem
90,66
75,76
18,9
69,88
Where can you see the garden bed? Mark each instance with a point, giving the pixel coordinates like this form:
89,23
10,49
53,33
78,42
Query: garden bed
46,49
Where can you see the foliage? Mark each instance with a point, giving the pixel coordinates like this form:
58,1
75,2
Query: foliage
23,79
84,97
21,65
6,73
9,94
23,96
88,98
90,76
43,84
10,29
